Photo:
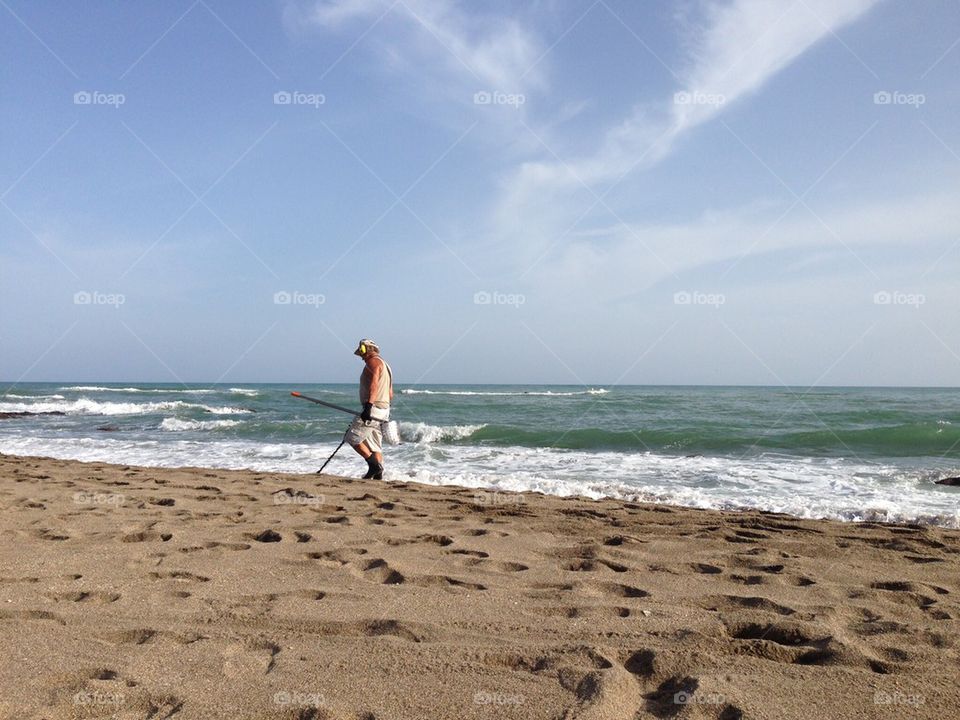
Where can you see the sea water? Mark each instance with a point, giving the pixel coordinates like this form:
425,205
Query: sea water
845,453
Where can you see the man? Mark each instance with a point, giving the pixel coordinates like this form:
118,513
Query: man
376,392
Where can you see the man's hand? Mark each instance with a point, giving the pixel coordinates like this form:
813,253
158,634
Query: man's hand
365,415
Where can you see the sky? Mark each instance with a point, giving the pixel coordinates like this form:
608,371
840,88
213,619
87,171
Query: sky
595,193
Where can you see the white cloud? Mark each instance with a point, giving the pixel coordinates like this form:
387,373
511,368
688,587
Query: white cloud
608,263
740,47
747,42
489,53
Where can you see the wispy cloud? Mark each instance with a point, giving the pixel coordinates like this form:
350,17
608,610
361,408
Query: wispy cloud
473,51
735,51
876,236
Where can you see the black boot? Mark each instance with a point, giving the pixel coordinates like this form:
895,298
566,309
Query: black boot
374,469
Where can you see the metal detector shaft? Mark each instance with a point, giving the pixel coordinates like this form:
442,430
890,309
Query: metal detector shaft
331,457
325,403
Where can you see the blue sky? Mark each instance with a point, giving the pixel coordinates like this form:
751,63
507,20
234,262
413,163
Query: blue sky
750,191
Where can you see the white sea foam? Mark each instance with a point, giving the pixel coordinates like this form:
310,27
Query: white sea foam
34,397
533,393
101,388
424,433
804,487
249,392
176,424
86,406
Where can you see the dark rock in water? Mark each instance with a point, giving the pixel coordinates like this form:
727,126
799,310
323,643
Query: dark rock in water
952,481
8,415
108,428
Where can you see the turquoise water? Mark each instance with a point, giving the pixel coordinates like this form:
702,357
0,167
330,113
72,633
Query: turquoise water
850,453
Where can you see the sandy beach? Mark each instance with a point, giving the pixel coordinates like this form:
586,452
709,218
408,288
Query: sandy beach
134,592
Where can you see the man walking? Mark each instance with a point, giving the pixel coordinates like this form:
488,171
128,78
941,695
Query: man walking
376,391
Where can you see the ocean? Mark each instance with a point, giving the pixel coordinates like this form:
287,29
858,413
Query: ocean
861,454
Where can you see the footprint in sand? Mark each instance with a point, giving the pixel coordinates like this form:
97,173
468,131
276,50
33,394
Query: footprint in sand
374,569
83,596
441,540
266,536
178,575
214,545
619,590
446,582
137,636
383,627
734,602
573,612
590,565
31,615
252,656
378,570
479,554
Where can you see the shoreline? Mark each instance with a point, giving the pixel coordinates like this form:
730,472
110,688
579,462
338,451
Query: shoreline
192,592
943,516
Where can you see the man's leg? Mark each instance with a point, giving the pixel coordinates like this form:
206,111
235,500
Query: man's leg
366,439
374,461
